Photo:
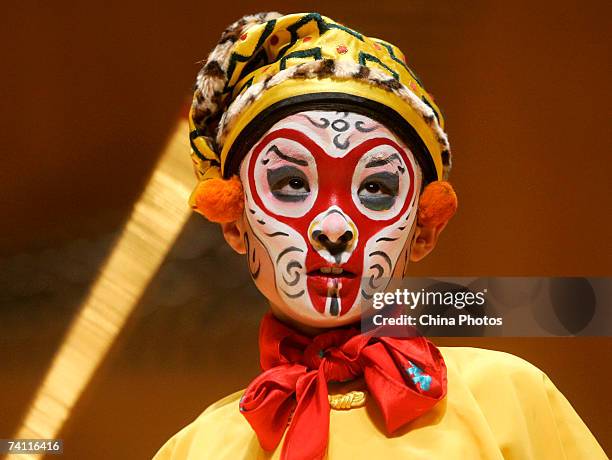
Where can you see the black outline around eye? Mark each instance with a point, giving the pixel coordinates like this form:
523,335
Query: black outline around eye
379,201
382,179
280,177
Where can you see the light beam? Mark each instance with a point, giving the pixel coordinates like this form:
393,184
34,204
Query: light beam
150,232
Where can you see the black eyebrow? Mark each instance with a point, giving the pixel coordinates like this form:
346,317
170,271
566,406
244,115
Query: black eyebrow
382,161
284,156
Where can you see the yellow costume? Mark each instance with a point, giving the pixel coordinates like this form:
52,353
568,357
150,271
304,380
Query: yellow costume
498,406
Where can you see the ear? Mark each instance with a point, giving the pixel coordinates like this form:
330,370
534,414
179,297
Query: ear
233,232
437,204
424,240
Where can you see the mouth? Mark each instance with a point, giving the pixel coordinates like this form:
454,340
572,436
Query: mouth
331,272
333,287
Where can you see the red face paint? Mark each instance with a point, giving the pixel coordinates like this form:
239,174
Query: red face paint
334,176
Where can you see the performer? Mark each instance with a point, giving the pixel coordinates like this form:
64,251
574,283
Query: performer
325,161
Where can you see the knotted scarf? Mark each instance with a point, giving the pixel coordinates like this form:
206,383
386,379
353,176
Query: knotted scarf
405,376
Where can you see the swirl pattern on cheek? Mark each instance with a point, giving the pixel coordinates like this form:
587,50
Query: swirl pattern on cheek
383,251
281,273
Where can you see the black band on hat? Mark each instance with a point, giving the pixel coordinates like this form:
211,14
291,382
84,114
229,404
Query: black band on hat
333,101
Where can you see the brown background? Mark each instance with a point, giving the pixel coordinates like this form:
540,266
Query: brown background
90,94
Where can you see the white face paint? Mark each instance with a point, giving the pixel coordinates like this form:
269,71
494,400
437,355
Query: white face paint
330,205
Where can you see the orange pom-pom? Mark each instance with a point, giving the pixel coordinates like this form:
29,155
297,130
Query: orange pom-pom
219,200
437,204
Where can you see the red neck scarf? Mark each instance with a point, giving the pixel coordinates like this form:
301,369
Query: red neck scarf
405,376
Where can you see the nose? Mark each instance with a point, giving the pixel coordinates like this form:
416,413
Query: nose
333,233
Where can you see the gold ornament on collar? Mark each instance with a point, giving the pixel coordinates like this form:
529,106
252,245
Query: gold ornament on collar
346,401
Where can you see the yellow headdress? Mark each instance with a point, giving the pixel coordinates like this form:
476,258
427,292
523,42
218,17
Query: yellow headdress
267,66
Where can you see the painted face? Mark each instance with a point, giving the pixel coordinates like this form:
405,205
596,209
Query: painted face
330,205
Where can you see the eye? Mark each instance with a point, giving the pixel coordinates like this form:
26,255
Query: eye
378,191
288,183
372,187
297,183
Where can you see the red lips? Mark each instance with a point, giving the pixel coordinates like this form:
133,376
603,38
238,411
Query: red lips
332,280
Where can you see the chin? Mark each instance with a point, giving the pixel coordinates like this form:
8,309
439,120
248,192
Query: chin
305,312
312,318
